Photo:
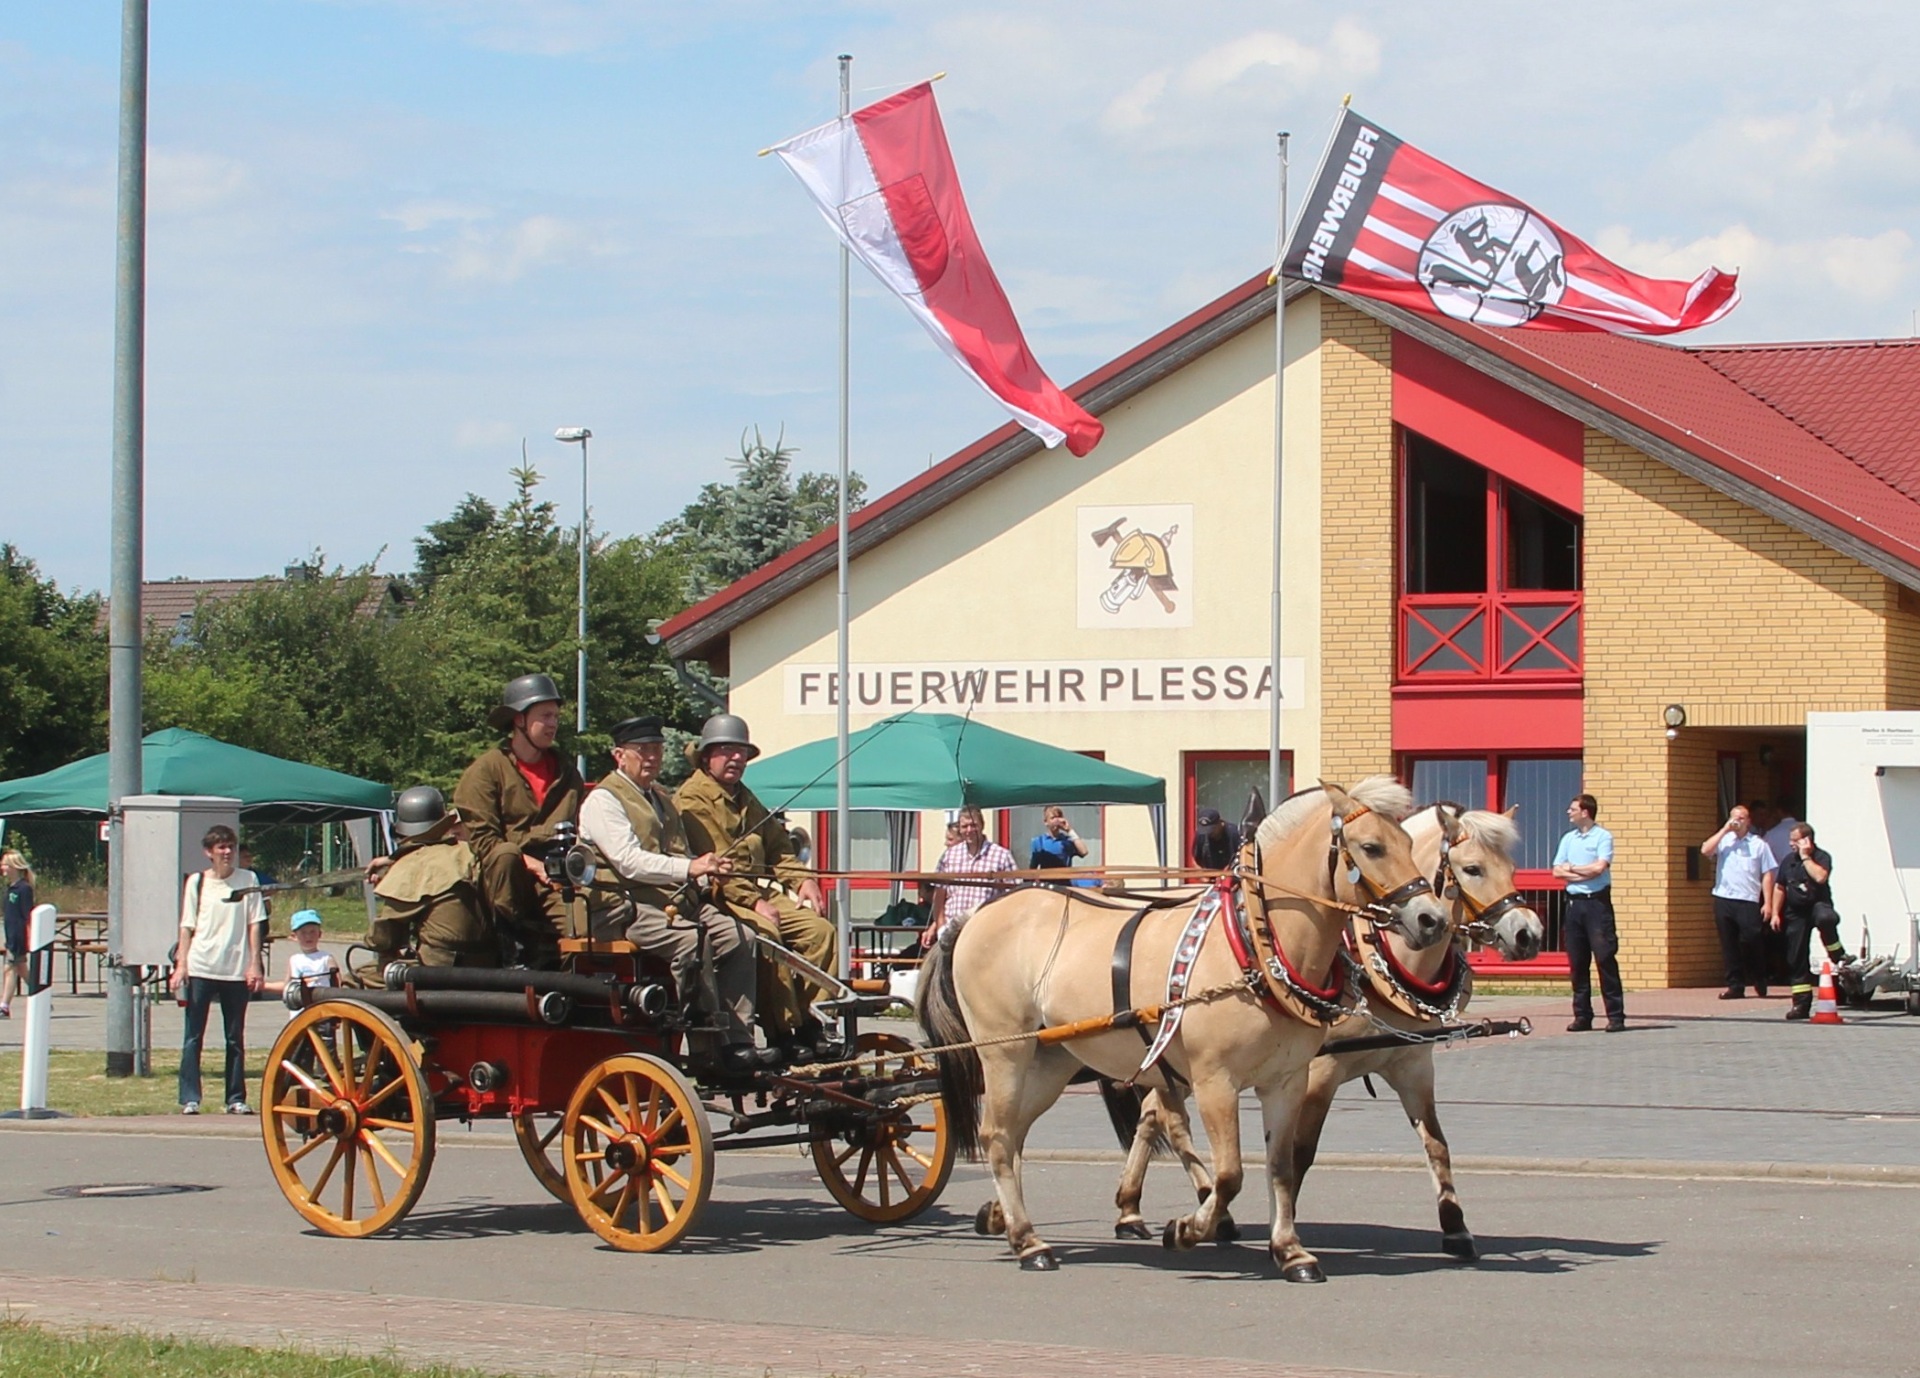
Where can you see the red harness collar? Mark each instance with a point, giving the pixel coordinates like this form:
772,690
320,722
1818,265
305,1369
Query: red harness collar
1240,944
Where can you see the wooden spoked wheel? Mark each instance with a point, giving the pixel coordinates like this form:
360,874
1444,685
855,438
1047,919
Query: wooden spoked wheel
538,1134
347,1119
638,1153
893,1166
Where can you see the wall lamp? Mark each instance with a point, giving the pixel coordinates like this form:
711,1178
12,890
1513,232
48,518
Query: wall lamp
1675,718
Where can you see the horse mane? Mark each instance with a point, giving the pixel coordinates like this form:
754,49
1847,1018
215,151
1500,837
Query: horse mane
1494,831
1381,793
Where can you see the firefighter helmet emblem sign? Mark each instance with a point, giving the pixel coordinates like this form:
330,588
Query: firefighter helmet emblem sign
1128,566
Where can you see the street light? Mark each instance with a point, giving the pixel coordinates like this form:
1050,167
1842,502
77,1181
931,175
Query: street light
572,435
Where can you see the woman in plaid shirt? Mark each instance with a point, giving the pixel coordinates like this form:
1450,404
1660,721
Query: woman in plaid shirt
971,855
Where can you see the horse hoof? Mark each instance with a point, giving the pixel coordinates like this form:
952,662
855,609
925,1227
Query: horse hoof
1303,1272
1039,1261
1226,1232
1461,1246
983,1219
1132,1229
1170,1237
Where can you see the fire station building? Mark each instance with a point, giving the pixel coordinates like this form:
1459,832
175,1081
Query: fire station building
1517,565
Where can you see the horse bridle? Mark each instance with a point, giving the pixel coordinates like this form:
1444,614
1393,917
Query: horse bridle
1482,920
1382,911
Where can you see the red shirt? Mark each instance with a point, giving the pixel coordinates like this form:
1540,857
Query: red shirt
540,776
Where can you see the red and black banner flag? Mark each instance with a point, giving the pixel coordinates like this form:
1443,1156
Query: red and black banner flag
1386,220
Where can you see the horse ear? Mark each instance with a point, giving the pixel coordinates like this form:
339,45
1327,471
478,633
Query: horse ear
1342,801
1450,823
1255,815
1513,811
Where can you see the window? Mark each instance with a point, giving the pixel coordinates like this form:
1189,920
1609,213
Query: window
870,847
1025,823
1490,574
1538,788
1223,780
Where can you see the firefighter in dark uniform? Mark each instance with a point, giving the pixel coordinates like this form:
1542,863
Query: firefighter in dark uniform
510,800
430,902
1803,902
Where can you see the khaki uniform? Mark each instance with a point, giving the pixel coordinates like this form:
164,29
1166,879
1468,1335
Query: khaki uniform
765,869
430,902
503,825
711,952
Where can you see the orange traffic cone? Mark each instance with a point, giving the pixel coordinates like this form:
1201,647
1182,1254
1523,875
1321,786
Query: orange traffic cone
1826,1000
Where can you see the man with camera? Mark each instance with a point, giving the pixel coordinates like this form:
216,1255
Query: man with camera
646,890
518,801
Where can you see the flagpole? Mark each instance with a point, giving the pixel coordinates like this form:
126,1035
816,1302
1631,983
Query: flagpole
842,812
1276,785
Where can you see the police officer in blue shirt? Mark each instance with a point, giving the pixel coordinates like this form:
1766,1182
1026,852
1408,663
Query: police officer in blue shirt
1585,862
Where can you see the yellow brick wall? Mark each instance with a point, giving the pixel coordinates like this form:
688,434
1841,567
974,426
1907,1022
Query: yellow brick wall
1357,545
1686,591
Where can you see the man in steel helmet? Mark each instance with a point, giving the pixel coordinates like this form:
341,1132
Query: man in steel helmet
429,899
769,888
510,800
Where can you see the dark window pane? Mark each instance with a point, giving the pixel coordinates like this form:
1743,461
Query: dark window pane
1541,789
1543,544
1225,785
1438,780
1446,521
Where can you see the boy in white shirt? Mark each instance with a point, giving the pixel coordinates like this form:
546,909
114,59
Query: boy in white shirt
307,965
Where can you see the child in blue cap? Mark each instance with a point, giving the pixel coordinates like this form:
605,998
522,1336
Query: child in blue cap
307,965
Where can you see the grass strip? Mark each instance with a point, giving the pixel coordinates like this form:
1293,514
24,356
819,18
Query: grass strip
78,1084
33,1351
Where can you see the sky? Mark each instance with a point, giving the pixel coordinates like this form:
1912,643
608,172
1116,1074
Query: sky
391,239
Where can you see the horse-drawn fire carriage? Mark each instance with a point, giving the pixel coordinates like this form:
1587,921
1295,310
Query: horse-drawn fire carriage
590,1065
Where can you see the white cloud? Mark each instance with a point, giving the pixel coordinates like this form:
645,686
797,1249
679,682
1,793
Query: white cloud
507,256
187,181
416,216
484,435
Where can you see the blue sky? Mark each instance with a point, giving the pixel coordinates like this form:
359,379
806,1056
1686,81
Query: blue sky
390,238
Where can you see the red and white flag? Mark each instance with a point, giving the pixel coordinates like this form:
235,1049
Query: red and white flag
884,178
1386,220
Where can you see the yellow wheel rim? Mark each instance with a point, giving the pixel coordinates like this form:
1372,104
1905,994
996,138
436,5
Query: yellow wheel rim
895,1166
637,1153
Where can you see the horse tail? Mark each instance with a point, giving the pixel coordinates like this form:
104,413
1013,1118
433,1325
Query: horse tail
937,1007
1124,1105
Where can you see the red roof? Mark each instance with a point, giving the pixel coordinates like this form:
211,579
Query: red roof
1825,434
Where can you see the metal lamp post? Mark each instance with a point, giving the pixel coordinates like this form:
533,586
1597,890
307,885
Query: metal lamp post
570,435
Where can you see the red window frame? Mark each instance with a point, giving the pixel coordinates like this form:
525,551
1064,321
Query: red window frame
1509,624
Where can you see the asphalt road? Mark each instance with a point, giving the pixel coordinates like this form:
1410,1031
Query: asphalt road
1597,1275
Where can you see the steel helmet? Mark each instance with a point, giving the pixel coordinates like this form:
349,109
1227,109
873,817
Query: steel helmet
725,729
418,811
520,695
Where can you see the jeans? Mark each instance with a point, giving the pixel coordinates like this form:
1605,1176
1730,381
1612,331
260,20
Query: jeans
201,994
1590,932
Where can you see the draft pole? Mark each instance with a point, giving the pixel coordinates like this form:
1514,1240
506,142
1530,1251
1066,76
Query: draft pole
129,463
1276,783
842,810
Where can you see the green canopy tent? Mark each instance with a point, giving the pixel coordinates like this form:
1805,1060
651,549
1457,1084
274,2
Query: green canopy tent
176,761
942,761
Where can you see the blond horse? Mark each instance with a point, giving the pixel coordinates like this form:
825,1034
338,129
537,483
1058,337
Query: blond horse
1471,855
1041,958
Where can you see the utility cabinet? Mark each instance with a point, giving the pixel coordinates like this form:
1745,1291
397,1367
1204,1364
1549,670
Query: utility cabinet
159,848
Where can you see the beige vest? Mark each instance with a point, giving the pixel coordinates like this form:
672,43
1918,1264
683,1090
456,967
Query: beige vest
656,824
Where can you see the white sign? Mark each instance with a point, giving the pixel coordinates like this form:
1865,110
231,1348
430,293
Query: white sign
1133,565
1048,686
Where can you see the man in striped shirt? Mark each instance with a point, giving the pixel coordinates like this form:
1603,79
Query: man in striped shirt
973,854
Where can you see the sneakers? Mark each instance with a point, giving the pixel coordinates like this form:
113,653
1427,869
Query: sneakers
239,1107
191,1107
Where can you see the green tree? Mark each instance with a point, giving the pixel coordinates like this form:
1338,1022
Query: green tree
732,529
447,541
53,672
